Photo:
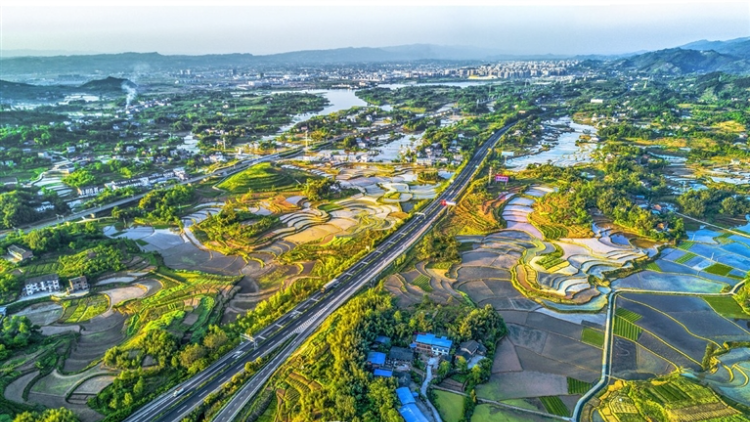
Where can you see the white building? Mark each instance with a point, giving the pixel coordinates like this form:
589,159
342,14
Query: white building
43,283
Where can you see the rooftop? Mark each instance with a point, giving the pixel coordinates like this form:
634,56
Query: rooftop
401,353
432,340
376,358
382,373
411,413
405,396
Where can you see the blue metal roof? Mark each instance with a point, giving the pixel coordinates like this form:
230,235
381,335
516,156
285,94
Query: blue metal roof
432,340
411,413
376,358
382,373
382,339
404,395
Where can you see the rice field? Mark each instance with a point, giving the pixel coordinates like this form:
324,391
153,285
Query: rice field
555,406
592,337
83,309
719,269
423,282
685,258
578,387
726,306
625,328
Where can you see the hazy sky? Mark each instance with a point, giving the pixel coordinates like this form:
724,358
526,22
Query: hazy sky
560,27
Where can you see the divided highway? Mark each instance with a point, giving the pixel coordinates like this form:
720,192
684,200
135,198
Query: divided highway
297,325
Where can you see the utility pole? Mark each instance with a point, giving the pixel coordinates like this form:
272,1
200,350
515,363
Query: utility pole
489,177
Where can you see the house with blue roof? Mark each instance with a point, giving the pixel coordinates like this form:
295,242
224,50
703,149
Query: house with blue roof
376,359
411,413
387,373
409,410
431,344
405,395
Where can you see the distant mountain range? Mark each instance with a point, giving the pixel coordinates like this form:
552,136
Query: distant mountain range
697,57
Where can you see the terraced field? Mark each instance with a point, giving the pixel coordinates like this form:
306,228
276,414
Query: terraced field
264,177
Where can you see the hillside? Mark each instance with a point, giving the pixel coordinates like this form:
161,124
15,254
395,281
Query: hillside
678,61
739,47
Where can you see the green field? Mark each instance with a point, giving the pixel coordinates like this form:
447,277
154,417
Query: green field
41,268
625,328
423,282
450,405
592,337
577,386
685,245
83,309
490,413
627,315
263,177
653,266
726,306
718,269
555,406
685,258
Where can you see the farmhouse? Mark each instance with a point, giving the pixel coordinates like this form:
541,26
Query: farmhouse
376,359
43,283
401,355
472,351
433,345
19,254
78,284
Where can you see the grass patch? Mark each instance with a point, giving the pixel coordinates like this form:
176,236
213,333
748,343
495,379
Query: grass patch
592,337
577,386
423,282
726,306
450,405
555,406
718,269
685,258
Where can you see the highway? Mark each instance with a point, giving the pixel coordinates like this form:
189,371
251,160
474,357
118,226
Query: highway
305,318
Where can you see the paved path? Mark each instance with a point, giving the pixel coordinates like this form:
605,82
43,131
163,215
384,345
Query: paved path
425,384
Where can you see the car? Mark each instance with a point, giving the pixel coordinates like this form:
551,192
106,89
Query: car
178,391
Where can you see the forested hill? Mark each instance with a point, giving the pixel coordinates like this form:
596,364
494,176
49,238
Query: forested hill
677,61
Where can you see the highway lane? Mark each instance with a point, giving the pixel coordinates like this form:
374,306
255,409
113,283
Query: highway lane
315,309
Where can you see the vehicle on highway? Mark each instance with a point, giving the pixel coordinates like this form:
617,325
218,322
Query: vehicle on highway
330,285
178,391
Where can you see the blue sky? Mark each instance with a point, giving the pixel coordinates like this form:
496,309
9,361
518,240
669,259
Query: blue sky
531,27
